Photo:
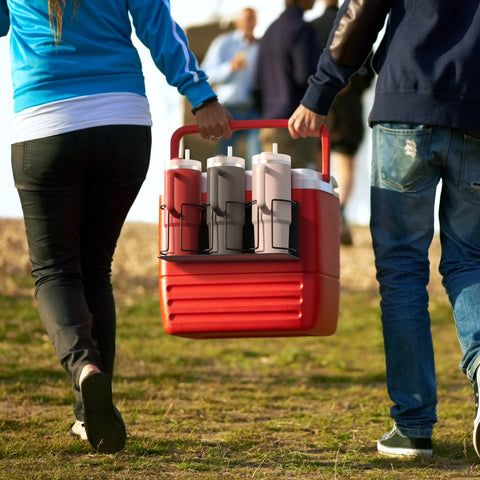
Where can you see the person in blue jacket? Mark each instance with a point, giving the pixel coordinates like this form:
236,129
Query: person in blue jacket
230,62
80,153
426,129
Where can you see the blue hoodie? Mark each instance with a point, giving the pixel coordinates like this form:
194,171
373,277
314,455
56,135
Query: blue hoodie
428,71
95,54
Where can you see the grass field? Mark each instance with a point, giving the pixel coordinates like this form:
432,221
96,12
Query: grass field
300,408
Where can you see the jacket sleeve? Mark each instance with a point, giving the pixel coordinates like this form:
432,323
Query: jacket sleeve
169,49
4,18
351,40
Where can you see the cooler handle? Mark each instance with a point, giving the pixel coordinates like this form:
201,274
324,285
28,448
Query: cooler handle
251,124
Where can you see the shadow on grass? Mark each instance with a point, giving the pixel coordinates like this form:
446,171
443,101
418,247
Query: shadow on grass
32,376
226,456
221,377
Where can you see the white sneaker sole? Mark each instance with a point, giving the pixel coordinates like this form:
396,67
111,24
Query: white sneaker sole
402,452
476,434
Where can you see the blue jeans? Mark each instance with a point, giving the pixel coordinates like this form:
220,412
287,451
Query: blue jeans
408,163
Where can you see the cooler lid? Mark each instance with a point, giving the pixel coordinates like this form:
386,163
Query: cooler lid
306,178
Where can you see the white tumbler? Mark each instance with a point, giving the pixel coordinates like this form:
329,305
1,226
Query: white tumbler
271,206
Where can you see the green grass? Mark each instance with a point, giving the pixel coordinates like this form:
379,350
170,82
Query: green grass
287,408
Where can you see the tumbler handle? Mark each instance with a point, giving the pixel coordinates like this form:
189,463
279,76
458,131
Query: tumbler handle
170,192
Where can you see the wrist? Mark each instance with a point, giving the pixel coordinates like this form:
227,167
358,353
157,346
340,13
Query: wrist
204,103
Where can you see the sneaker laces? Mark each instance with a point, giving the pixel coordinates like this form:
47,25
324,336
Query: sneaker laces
393,431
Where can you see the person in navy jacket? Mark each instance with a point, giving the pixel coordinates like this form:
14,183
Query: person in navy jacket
287,56
426,129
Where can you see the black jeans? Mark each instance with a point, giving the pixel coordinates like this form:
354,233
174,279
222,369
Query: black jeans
76,190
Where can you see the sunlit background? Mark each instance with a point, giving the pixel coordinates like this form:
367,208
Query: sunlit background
166,109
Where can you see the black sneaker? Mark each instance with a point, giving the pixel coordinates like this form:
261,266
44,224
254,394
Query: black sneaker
395,444
103,423
476,422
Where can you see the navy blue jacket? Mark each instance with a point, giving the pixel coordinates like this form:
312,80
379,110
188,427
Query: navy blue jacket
427,62
287,56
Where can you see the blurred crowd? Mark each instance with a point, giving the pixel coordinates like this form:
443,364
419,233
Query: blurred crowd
266,78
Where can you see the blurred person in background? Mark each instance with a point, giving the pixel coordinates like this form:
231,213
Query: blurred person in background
288,56
80,153
426,129
345,120
230,64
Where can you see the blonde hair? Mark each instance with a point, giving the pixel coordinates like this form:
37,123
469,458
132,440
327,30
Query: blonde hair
55,14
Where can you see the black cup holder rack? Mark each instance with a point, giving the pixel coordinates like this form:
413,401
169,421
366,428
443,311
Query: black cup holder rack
249,242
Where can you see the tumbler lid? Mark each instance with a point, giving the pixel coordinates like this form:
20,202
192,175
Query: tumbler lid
272,157
187,162
226,160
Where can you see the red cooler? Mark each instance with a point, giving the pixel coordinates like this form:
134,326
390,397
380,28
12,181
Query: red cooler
254,294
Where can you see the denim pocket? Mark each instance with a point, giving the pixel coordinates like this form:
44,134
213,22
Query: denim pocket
470,171
401,155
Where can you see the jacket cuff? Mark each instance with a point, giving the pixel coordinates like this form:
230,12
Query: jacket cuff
318,100
204,104
198,93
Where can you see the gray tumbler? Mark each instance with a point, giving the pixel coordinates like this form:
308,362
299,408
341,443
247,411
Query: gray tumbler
226,203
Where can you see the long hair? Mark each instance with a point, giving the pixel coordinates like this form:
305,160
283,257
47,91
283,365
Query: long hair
55,13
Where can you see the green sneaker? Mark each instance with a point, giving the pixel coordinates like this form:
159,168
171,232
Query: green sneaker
395,444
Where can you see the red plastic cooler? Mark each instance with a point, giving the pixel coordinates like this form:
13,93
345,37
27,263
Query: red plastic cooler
261,295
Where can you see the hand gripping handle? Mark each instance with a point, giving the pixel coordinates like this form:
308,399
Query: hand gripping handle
252,124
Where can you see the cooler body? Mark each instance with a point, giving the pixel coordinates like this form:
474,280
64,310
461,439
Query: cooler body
262,295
